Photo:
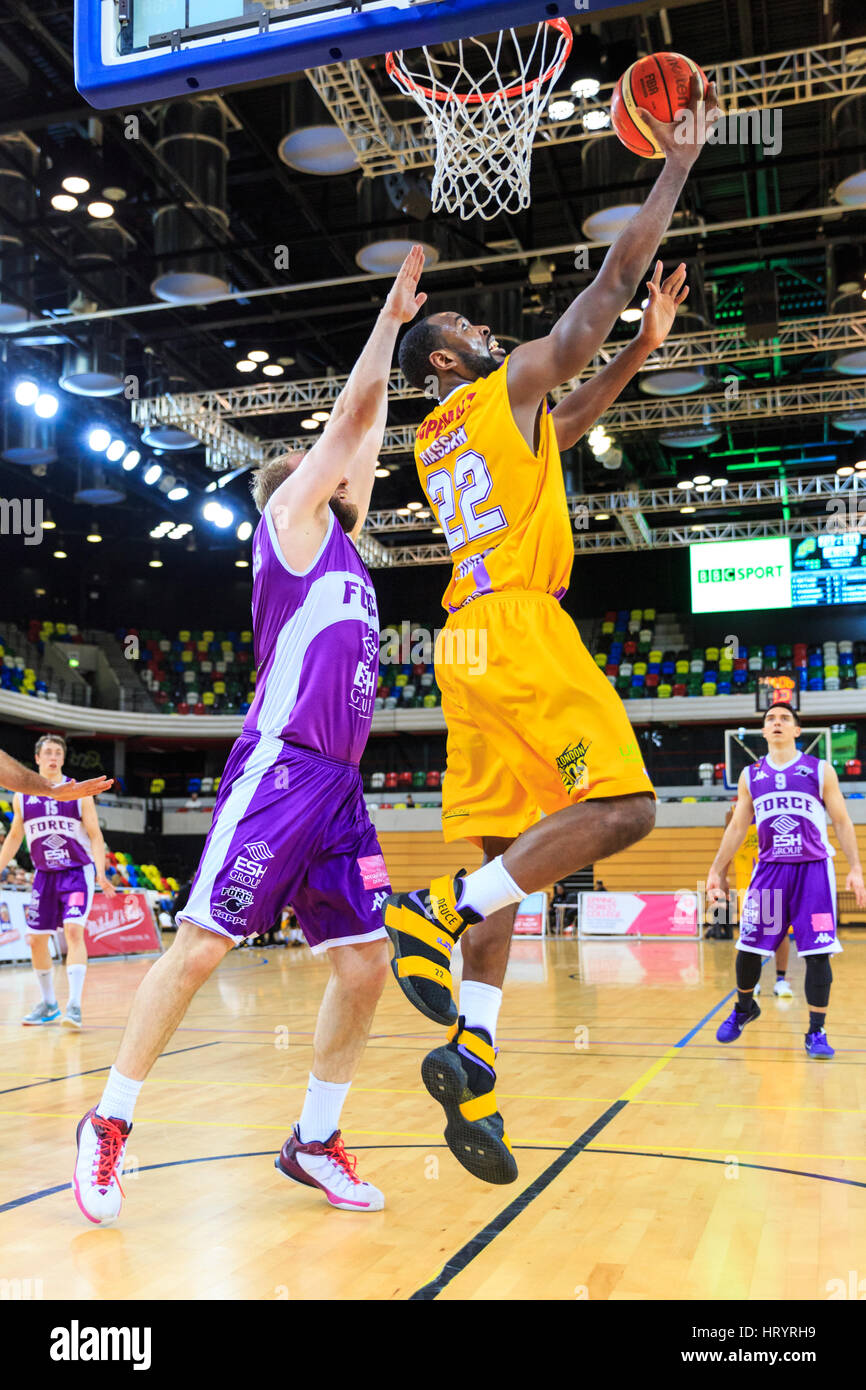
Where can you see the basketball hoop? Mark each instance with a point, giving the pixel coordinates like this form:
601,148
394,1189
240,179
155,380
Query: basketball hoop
484,106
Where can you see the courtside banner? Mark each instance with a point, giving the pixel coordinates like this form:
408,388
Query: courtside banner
121,926
531,916
639,915
13,926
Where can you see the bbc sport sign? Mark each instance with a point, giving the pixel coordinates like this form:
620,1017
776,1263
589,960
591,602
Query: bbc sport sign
740,576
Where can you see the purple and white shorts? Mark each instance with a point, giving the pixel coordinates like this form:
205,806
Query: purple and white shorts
290,826
60,895
802,896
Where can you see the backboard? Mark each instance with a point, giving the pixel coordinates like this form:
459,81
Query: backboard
745,746
132,52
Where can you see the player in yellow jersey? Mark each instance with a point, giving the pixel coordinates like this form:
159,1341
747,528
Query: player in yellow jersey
533,725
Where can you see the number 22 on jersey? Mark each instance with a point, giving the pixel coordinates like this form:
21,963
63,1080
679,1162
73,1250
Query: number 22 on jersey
460,496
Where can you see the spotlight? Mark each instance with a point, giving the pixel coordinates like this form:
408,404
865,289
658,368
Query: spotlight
631,315
860,463
273,369
259,355
245,365
60,554
596,119
46,405
153,474
845,471
178,493
383,472
99,440
719,482
245,530
703,487
414,506
132,460
685,484
155,563
561,109
93,534
225,518
64,202
403,511
177,533
585,88
75,184
26,392
602,516
321,416
436,530
309,424
48,523
242,564
701,478
686,511
100,210
115,450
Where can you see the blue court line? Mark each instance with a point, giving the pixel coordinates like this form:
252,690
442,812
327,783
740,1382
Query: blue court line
92,1071
468,1252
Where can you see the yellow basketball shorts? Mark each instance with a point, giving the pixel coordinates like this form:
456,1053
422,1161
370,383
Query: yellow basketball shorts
533,724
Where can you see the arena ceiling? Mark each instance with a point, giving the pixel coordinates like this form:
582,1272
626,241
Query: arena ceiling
745,211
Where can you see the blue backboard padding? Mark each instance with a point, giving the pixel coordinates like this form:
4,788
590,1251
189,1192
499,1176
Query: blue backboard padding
255,58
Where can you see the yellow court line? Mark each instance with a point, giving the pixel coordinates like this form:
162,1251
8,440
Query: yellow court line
658,1065
740,1153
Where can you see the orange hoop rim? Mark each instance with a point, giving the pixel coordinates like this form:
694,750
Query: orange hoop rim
559,22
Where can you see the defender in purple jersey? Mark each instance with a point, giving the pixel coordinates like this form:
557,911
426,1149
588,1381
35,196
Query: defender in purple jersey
68,854
290,823
789,795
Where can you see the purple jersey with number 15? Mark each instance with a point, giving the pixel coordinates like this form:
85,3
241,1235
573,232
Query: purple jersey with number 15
56,837
789,810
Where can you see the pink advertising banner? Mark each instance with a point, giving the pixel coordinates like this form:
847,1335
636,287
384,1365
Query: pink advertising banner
671,915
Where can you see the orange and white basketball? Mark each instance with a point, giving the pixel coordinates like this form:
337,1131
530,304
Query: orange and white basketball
659,84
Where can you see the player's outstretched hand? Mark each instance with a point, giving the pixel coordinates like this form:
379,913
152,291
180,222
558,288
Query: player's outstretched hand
71,791
854,884
665,296
404,301
682,139
107,886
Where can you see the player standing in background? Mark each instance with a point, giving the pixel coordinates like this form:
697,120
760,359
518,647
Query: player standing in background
290,821
539,728
790,796
68,853
17,778
745,860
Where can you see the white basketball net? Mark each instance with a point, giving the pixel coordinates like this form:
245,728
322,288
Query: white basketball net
484,103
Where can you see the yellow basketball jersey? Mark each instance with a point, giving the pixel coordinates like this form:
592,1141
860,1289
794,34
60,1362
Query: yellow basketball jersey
746,858
501,507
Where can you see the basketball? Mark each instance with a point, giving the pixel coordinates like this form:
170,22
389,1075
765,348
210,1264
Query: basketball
659,84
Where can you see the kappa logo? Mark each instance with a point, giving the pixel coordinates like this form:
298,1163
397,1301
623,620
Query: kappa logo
379,900
760,776
572,767
784,825
823,939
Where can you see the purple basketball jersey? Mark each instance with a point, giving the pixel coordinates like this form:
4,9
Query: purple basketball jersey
55,835
789,810
316,645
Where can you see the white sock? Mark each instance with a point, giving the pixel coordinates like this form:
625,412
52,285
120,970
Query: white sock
119,1097
479,1005
75,975
490,888
46,984
321,1113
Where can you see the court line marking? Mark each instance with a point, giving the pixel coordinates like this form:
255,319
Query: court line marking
468,1252
91,1071
214,1158
722,1163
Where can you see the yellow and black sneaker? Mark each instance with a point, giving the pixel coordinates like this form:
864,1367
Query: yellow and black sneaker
424,927
460,1076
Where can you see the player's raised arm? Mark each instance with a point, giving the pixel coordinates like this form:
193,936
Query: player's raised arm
344,449
731,840
580,409
21,779
538,367
834,802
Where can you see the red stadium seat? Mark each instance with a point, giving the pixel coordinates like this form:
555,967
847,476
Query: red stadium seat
390,780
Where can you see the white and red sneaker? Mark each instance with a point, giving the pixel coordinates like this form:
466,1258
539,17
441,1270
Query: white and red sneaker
328,1167
96,1180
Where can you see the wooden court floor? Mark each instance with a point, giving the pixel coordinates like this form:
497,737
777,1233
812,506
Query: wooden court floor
654,1163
